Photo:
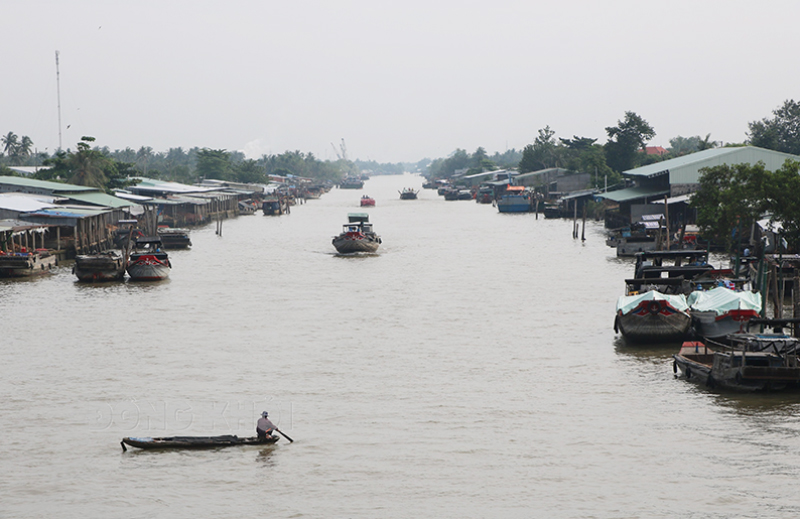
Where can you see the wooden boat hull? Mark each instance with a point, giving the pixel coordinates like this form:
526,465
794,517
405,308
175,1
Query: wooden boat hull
653,321
26,265
176,239
99,267
195,442
713,326
149,267
347,244
737,370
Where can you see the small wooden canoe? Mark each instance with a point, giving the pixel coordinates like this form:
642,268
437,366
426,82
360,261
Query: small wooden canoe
194,442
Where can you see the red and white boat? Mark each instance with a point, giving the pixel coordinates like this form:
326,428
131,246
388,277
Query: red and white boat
367,201
148,261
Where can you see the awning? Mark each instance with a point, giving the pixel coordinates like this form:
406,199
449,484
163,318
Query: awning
674,199
632,193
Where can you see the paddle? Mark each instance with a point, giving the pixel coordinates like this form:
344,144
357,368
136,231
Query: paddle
290,440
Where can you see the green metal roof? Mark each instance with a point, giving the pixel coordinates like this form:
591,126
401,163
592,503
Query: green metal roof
54,187
101,199
632,193
686,169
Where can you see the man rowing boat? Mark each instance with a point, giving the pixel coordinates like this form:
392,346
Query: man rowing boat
264,427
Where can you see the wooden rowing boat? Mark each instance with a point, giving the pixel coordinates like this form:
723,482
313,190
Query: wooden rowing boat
194,442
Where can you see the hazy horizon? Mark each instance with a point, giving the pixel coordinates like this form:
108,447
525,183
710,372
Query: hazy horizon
398,81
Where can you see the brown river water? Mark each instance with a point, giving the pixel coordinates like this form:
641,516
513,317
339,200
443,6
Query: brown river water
468,369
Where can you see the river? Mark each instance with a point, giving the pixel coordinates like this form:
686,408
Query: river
468,369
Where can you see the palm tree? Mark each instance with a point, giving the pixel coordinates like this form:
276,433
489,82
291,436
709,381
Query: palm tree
87,165
10,143
26,146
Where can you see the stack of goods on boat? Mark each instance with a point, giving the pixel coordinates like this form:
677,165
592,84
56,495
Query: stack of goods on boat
148,261
408,194
357,235
26,263
104,266
654,307
367,201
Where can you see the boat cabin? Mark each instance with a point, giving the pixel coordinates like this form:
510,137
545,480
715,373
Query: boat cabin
358,217
666,264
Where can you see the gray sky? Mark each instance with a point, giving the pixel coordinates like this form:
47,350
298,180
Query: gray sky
398,80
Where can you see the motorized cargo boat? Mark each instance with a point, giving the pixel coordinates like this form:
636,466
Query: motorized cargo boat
408,194
721,311
26,263
357,235
736,369
148,261
104,266
515,199
174,238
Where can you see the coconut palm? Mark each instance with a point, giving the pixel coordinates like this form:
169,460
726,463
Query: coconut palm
25,146
10,143
87,165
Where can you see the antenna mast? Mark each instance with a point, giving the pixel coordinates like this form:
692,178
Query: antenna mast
58,93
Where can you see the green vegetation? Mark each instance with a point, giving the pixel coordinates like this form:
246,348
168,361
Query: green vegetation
731,198
780,133
88,167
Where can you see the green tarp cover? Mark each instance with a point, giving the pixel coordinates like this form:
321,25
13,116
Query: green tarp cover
722,300
627,303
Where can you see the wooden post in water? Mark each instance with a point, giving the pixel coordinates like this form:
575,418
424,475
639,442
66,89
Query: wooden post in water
772,282
796,300
575,218
583,231
666,217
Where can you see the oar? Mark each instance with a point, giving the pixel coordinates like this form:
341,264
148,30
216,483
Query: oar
290,440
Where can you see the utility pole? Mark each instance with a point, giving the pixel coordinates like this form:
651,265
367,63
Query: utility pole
58,93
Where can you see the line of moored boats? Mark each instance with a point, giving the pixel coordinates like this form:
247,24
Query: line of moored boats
679,296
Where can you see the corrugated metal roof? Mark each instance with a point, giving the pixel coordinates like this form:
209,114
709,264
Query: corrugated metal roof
686,169
149,185
68,212
24,202
101,199
19,225
632,193
55,187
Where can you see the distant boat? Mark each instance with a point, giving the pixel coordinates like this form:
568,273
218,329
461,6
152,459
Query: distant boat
148,262
485,195
367,201
351,183
104,266
357,235
408,194
515,199
274,206
174,238
195,442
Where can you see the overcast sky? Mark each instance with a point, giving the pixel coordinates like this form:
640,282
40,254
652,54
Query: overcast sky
397,80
